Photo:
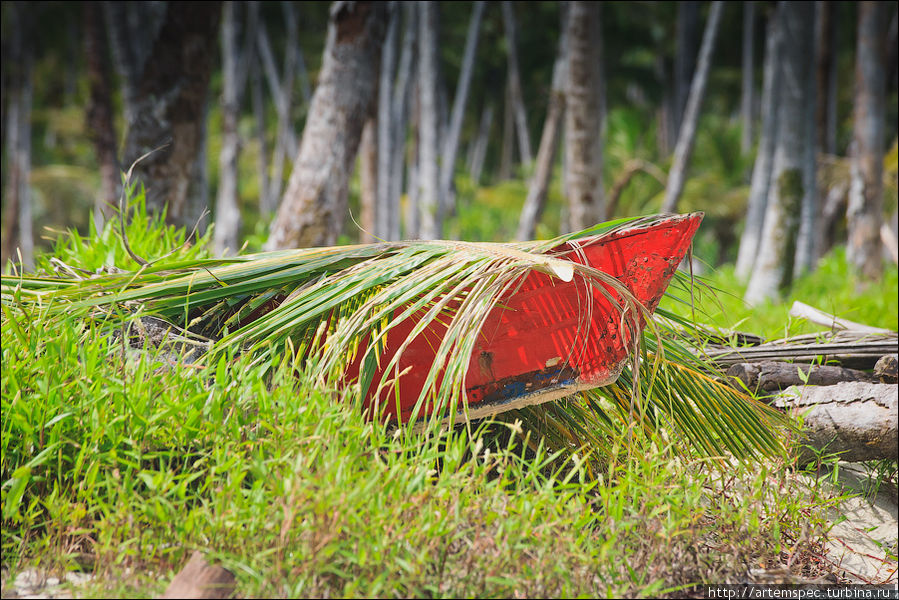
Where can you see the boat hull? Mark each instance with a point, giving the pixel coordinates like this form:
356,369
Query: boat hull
546,338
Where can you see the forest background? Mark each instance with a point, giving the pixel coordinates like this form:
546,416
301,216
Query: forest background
479,121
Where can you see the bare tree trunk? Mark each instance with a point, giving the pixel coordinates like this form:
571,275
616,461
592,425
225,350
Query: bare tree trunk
451,145
413,214
282,91
825,109
266,206
368,181
314,205
428,153
401,98
584,145
170,111
133,29
508,147
521,122
773,270
101,126
17,231
687,36
227,210
809,216
748,92
687,134
383,205
549,140
764,158
865,212
480,147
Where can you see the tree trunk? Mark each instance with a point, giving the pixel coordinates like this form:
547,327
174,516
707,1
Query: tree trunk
281,90
772,376
133,29
687,134
480,146
773,271
314,205
368,181
865,212
383,205
517,96
764,158
100,123
170,110
401,99
684,59
508,147
549,140
267,202
583,143
811,205
451,145
748,90
825,109
428,153
18,237
413,214
227,210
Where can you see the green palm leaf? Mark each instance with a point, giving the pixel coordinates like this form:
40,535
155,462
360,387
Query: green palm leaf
338,304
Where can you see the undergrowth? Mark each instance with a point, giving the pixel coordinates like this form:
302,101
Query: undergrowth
120,462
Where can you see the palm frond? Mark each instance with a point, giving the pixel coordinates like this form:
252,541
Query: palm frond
340,304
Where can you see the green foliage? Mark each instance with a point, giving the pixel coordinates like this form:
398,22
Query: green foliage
147,235
832,287
122,456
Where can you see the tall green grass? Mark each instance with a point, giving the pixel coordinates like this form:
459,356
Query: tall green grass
121,461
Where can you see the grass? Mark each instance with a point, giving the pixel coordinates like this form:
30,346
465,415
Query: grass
129,463
833,287
120,462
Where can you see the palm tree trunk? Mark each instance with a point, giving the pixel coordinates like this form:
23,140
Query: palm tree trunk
865,212
170,112
508,147
101,126
517,96
687,134
809,216
281,90
314,205
451,146
402,97
480,147
748,90
385,136
582,118
761,171
429,173
18,237
368,181
773,270
549,140
687,35
227,210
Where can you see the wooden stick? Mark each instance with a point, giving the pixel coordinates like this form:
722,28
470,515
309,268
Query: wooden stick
810,313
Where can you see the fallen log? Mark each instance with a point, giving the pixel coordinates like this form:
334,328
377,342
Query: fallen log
770,376
854,419
887,368
856,351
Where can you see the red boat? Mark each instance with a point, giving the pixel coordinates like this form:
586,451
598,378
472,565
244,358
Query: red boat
549,338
